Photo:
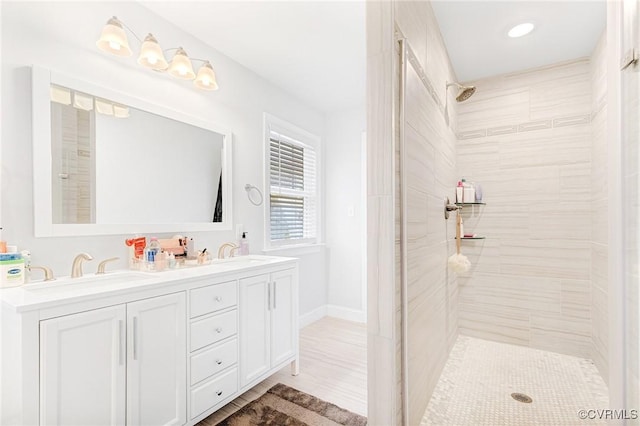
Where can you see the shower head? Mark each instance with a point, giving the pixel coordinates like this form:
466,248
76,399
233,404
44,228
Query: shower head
464,92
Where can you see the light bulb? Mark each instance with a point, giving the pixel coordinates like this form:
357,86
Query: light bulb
151,55
113,39
180,66
206,79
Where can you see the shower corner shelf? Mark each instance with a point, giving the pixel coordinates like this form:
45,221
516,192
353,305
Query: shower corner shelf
473,238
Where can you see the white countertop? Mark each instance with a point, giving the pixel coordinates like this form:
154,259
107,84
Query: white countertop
39,295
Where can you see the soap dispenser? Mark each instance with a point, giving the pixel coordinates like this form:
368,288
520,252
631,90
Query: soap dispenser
244,245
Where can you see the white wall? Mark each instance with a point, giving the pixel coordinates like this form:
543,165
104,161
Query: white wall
345,227
61,36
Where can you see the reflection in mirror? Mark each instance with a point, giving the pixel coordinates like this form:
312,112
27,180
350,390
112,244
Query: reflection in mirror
106,162
116,164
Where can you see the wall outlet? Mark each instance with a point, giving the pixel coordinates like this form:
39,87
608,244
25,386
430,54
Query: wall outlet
350,211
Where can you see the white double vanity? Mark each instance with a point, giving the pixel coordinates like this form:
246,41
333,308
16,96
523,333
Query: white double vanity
165,348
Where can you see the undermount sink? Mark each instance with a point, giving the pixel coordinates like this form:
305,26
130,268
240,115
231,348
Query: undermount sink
89,279
241,260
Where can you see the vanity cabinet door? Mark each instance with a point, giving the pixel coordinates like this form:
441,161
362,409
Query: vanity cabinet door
283,316
156,361
82,368
254,327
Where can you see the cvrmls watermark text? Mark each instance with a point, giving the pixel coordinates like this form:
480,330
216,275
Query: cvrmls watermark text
608,414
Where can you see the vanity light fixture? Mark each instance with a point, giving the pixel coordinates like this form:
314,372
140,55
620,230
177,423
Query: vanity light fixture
113,39
521,30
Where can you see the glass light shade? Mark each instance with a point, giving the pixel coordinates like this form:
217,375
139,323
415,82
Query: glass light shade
82,101
180,66
121,111
60,95
151,55
206,78
113,39
104,107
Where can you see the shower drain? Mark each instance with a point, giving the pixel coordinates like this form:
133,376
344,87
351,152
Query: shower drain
520,397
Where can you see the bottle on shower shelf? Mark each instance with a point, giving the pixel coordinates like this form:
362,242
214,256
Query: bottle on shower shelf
459,192
468,192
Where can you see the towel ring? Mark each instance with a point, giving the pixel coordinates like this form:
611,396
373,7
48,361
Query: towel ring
248,187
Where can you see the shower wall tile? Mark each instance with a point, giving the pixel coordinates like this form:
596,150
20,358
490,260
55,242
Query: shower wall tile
576,299
411,18
599,210
500,107
383,353
437,67
379,125
530,282
429,167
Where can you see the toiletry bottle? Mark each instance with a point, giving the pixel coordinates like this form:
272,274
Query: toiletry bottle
244,245
478,189
191,249
3,244
459,192
468,195
26,255
153,250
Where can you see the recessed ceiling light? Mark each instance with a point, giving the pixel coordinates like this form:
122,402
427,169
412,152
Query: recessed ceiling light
520,30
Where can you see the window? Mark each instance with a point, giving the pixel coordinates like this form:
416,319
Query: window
292,176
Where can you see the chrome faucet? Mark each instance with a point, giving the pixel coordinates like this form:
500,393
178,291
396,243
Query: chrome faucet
102,265
48,273
76,267
222,248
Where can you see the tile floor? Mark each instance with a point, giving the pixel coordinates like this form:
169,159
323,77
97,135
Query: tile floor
476,385
333,367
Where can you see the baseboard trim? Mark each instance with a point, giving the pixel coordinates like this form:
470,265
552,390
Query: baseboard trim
313,316
334,311
348,314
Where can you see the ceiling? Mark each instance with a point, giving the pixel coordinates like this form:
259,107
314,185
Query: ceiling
315,50
475,33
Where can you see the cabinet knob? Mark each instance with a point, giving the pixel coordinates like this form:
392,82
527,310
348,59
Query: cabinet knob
219,393
218,330
218,361
218,299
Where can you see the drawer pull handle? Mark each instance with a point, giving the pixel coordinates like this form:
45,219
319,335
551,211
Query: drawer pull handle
218,299
219,393
218,330
219,361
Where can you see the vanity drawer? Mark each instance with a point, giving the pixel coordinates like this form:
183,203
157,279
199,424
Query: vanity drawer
213,360
213,392
210,330
212,298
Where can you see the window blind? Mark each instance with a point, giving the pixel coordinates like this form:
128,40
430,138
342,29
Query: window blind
293,198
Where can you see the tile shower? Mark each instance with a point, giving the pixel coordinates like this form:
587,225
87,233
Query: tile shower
536,141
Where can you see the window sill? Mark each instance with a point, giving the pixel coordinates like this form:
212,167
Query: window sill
295,249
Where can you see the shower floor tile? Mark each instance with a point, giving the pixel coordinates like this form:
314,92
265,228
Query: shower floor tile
477,382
